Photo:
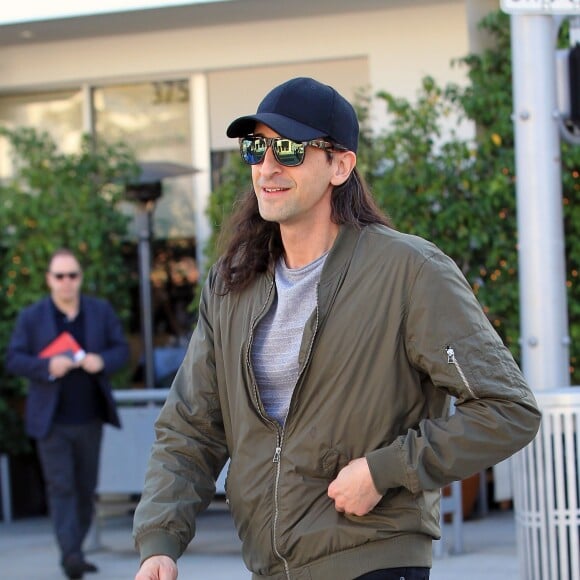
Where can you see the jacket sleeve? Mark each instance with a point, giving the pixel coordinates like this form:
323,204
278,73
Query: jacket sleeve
189,451
450,341
21,359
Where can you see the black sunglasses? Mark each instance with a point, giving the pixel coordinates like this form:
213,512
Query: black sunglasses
286,152
63,275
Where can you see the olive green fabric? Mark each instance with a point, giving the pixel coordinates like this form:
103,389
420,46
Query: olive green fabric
396,332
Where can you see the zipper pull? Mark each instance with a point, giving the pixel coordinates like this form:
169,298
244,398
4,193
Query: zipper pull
277,455
450,355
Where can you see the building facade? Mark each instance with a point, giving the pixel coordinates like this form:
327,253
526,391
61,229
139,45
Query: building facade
169,80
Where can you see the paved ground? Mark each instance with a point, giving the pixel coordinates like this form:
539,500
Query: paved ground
27,550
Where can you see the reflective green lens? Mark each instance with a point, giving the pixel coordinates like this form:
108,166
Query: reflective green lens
253,150
287,152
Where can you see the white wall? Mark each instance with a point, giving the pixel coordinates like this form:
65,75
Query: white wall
399,44
237,92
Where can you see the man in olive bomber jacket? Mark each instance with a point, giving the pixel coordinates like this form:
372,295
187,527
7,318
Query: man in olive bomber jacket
327,349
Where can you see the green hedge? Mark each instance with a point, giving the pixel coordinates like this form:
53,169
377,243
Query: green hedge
57,200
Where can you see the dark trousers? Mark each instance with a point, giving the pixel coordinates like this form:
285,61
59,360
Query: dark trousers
411,573
69,456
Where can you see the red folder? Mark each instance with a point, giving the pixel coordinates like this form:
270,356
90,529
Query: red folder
64,344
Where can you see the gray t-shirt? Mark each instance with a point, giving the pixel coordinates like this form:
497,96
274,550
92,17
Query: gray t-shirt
278,336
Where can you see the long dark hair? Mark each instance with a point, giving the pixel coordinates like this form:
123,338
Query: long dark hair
253,245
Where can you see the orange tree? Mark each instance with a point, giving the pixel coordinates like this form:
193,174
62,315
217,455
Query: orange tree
458,193
461,193
56,200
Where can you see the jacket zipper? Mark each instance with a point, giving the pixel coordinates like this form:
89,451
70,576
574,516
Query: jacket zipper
276,461
452,360
279,435
278,454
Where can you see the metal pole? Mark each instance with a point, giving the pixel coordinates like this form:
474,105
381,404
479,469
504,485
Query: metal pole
542,272
546,488
144,224
5,488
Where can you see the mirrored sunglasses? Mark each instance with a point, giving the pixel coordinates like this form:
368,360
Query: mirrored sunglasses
63,275
286,152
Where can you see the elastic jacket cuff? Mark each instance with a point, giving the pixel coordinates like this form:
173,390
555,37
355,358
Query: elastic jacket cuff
387,467
159,543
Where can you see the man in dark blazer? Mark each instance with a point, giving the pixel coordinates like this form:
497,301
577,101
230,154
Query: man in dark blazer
69,397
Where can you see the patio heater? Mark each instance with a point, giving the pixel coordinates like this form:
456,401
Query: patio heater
144,193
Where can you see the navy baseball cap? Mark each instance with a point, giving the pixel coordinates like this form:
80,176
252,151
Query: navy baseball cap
303,109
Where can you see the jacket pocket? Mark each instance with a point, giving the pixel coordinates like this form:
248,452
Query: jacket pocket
483,366
452,360
332,462
397,511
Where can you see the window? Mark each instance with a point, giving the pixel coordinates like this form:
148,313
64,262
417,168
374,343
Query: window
58,113
154,119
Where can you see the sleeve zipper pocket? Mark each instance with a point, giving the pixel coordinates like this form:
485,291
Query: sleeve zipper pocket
452,360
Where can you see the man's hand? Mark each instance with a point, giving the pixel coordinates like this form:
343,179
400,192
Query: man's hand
353,490
92,363
157,568
60,365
